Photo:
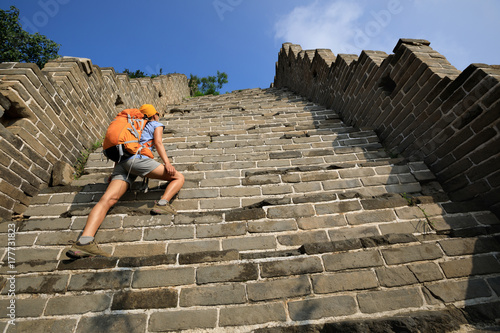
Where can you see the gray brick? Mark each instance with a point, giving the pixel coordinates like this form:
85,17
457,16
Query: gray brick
302,238
27,307
290,211
371,217
452,291
307,187
213,295
129,322
271,226
476,265
182,320
388,300
276,189
281,288
198,193
221,230
353,232
204,257
412,253
408,227
45,325
356,173
169,233
46,284
261,180
100,280
194,246
349,260
56,237
325,307
240,192
163,277
445,223
341,184
222,203
226,273
464,246
252,314
65,305
45,224
148,299
337,207
395,276
319,222
250,243
291,267
426,272
137,249
146,221
32,254
354,280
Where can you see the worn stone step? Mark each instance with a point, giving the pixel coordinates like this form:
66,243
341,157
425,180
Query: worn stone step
400,272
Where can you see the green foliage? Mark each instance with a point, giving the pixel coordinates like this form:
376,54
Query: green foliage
82,160
134,75
139,73
17,45
209,85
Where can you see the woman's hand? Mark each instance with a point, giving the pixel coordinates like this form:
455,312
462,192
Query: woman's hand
170,169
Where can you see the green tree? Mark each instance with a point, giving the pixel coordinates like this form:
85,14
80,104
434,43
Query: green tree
134,75
18,45
210,85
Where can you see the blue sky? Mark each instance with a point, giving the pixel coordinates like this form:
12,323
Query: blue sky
243,37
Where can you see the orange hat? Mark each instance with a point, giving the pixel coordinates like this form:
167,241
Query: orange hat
148,110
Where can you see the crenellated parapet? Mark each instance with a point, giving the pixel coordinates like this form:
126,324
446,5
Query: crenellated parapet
419,104
51,115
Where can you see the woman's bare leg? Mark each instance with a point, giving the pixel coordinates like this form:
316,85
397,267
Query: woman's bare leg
113,193
176,181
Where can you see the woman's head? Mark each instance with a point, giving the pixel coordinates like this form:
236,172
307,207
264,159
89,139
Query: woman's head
148,110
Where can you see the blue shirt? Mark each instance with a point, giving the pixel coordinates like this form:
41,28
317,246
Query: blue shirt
148,134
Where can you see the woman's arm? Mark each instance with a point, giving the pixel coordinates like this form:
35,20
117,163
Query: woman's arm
158,143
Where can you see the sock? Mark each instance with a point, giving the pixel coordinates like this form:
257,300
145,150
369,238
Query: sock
85,240
162,202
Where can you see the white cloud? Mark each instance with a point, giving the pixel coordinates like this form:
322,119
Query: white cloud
329,25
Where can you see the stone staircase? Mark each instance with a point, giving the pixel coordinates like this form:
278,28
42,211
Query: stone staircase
289,221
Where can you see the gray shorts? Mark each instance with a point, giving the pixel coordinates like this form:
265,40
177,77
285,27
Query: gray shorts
133,167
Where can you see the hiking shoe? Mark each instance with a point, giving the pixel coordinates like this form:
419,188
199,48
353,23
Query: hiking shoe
163,209
91,249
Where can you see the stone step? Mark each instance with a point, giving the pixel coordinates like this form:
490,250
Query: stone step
288,220
346,279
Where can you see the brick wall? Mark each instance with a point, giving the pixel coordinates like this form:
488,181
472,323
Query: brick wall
420,105
54,114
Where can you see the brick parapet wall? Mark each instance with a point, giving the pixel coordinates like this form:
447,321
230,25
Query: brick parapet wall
52,115
420,105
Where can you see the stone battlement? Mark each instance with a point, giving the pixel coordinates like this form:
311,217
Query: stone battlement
52,115
420,106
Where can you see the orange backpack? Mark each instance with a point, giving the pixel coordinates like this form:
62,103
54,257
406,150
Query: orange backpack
123,134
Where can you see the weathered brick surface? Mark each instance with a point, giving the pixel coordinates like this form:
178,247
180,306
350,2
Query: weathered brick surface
217,295
387,300
65,305
412,253
182,320
291,267
226,273
327,236
362,259
252,314
354,280
322,307
281,288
